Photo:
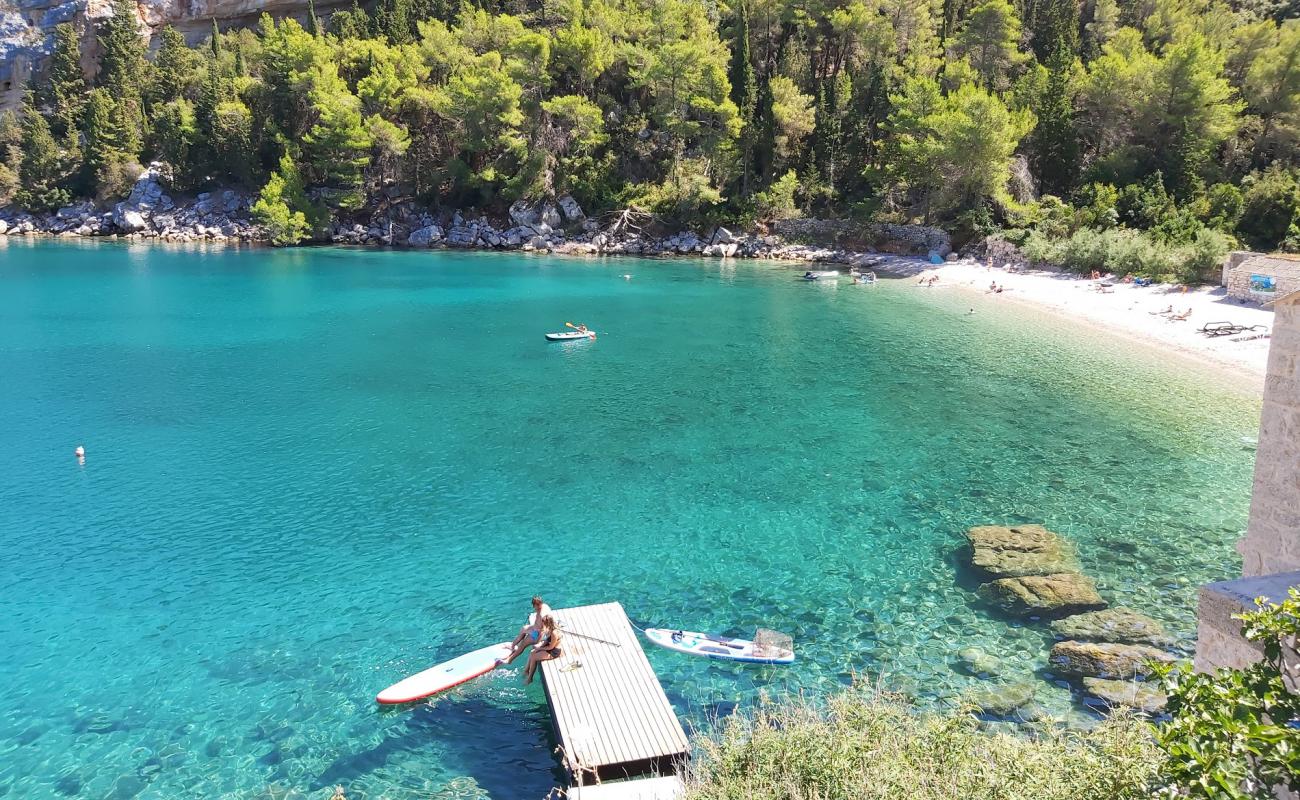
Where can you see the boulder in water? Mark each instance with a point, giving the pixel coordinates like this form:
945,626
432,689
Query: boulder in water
1061,593
1119,624
1137,695
1002,700
1014,551
1105,660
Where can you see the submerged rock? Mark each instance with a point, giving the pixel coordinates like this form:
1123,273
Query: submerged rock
1119,624
1028,595
1105,659
1137,695
1002,700
977,662
1015,551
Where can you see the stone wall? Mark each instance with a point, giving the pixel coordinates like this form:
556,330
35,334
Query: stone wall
1240,266
1272,541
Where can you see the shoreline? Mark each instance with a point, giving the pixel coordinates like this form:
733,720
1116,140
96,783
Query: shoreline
1126,312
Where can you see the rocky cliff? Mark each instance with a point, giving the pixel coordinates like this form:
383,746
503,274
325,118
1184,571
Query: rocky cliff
26,27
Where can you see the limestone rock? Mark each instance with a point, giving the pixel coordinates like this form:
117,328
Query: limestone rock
1002,700
1013,551
1105,659
1117,624
551,216
424,237
1137,695
1061,593
4,227
570,208
128,219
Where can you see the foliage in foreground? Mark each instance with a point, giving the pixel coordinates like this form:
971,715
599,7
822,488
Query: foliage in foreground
1235,734
864,745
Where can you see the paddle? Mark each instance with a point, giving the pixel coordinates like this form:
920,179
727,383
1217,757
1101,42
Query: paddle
576,328
593,638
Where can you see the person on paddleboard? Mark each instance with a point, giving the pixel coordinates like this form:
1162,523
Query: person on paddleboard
531,632
547,647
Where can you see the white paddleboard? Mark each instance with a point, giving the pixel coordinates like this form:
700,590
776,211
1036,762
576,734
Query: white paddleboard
724,647
444,676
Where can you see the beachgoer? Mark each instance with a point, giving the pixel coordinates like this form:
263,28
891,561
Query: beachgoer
547,648
993,286
530,632
998,290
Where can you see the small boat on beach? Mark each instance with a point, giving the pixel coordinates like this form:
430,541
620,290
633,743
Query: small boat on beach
722,647
569,336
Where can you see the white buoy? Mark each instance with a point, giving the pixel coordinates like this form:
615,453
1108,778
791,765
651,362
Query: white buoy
80,452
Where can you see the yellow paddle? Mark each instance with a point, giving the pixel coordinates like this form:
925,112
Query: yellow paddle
575,327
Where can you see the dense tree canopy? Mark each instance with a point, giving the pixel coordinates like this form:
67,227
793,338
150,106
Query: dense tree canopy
961,114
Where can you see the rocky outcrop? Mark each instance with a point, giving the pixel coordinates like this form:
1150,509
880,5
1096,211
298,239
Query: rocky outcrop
1137,695
1121,625
1000,551
1043,595
148,212
1105,660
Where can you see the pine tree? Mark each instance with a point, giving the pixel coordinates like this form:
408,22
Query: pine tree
1105,21
1056,26
393,21
313,22
1055,141
106,142
40,169
173,68
990,39
122,67
63,92
744,92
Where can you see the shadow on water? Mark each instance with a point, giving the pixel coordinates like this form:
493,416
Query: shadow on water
506,750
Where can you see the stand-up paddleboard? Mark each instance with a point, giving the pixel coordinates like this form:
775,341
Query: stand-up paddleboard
445,675
724,647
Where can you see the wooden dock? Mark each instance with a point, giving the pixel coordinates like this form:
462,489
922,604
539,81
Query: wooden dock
611,715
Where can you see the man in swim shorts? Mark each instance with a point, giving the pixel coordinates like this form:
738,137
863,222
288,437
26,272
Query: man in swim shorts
531,632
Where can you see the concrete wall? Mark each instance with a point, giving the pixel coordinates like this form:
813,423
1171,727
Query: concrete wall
1272,541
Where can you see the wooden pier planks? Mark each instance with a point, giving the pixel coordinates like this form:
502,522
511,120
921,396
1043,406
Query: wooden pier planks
612,716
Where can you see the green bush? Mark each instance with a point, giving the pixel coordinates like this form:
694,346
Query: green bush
1123,251
1235,734
864,745
1270,207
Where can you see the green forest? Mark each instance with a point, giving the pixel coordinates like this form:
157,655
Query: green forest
1143,135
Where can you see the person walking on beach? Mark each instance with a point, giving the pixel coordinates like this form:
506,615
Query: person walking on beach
547,648
531,632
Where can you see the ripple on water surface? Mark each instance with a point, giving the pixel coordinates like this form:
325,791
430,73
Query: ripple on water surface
311,473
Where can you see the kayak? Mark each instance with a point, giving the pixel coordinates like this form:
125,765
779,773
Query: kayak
724,647
569,336
444,676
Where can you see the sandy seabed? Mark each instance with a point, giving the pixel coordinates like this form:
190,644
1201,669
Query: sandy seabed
1123,309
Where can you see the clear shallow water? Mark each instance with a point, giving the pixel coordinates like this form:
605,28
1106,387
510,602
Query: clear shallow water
311,473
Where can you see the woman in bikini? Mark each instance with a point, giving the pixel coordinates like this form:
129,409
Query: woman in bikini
547,648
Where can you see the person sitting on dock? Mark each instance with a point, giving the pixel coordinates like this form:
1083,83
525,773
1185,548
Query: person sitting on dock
531,632
547,648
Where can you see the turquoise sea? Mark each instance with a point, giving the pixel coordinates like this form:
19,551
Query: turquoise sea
310,473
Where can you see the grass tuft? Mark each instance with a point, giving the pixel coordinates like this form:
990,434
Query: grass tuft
864,744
